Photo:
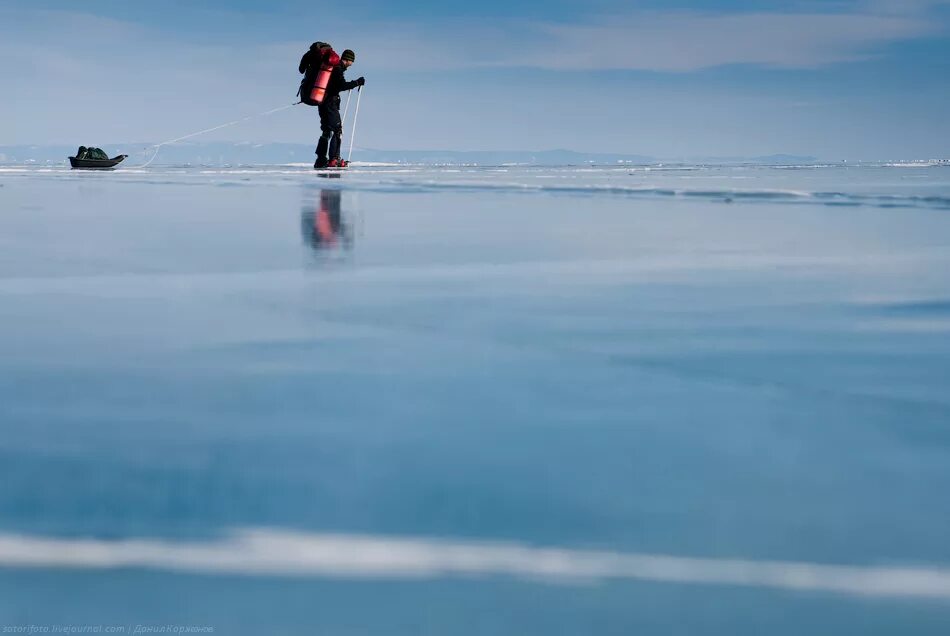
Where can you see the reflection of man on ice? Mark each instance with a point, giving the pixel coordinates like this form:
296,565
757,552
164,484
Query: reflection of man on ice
322,225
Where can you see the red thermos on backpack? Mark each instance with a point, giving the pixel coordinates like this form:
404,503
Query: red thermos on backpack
330,60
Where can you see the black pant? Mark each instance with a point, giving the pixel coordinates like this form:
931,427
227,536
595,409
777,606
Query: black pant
331,125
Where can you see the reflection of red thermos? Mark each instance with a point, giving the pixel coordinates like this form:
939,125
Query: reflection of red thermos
323,222
330,60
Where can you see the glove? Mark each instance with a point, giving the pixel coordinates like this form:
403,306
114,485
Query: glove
360,81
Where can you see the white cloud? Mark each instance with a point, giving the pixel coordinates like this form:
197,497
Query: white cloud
671,41
901,7
286,553
693,41
149,85
659,41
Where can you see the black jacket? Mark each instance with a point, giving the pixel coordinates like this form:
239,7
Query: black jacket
338,83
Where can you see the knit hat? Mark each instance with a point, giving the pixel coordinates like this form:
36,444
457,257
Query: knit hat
348,55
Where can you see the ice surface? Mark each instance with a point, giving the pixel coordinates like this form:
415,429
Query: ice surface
733,365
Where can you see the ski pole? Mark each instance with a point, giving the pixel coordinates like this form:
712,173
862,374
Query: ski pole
349,94
359,93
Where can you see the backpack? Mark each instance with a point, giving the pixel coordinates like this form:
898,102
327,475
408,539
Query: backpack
320,56
91,153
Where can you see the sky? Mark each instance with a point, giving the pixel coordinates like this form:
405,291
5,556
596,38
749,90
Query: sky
835,79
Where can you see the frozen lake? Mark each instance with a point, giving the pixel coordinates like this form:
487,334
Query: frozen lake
507,400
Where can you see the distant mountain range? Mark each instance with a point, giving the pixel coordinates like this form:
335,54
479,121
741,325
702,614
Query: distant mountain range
231,153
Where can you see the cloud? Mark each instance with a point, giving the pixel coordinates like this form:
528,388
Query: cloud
296,554
670,41
127,81
693,41
901,7
666,41
432,81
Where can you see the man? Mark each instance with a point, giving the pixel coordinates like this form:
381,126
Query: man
331,125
